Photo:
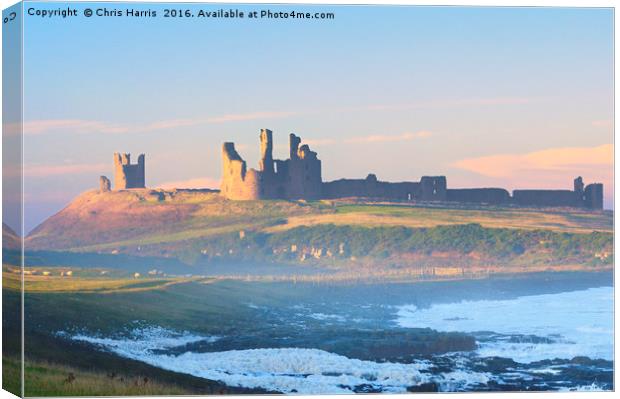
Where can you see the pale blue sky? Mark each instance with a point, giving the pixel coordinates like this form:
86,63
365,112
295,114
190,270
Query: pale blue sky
398,91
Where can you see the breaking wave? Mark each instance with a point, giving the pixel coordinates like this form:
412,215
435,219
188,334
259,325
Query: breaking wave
529,328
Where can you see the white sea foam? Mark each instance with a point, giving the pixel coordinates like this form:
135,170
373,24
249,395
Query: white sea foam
580,323
143,340
288,370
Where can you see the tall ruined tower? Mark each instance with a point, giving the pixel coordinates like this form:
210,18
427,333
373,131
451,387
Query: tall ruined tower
127,175
265,164
433,188
594,196
304,179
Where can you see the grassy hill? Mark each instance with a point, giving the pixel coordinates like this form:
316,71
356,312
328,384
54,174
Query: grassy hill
200,227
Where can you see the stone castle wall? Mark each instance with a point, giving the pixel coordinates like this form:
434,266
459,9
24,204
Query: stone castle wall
299,177
430,188
547,198
494,196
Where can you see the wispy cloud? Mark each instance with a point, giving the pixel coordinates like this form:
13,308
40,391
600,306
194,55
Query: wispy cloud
198,182
72,125
93,126
64,169
90,126
46,170
386,138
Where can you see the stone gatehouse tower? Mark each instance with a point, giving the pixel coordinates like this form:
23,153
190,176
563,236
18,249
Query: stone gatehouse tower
127,175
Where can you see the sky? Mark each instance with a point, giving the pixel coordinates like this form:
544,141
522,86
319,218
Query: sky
489,97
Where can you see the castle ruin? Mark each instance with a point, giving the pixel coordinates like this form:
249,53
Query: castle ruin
127,175
299,177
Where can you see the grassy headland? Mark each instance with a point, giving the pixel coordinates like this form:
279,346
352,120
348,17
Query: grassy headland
202,228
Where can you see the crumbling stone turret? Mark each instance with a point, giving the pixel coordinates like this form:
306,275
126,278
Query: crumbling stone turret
578,185
104,184
237,182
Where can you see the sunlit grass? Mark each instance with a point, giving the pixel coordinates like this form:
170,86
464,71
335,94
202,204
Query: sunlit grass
37,283
410,216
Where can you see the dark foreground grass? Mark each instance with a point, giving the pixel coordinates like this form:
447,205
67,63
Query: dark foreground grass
52,379
11,374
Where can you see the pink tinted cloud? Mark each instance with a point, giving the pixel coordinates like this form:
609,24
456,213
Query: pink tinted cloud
564,159
553,168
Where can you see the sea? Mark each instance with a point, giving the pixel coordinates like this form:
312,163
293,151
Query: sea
559,341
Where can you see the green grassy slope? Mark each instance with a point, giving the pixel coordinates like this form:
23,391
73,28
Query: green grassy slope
202,227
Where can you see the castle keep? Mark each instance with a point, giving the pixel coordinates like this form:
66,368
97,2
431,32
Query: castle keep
299,177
